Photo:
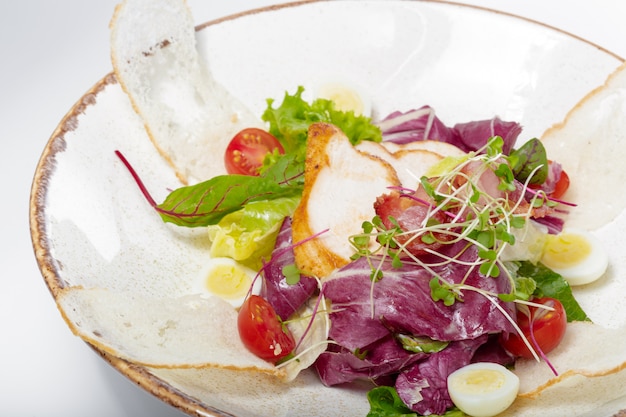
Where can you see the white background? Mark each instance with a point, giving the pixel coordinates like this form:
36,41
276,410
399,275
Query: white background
51,53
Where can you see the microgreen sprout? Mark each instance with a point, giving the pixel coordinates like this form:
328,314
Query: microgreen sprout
484,201
442,290
292,274
483,204
387,244
476,212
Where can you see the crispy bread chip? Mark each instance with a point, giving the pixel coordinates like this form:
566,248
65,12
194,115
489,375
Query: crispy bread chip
590,361
249,393
590,143
189,117
184,332
577,355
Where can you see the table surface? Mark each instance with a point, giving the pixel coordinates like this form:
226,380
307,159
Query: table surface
52,53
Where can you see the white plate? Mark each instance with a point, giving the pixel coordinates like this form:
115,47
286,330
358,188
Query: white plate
90,223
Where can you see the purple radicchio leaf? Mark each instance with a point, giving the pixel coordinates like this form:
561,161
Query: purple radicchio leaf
285,298
492,351
424,388
384,357
415,125
423,124
554,224
474,135
402,302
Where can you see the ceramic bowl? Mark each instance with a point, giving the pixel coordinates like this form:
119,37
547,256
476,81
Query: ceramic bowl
90,223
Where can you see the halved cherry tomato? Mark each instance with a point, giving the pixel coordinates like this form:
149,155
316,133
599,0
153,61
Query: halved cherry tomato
246,151
262,331
548,328
561,186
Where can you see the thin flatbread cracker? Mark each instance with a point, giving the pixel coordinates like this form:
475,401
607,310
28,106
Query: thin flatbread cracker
189,117
183,332
590,144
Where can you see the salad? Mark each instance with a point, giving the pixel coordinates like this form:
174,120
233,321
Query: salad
349,253
449,272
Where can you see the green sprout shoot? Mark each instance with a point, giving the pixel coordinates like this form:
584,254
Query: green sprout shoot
490,219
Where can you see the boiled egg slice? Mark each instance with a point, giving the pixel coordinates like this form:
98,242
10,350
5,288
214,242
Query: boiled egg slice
227,279
577,255
346,96
483,389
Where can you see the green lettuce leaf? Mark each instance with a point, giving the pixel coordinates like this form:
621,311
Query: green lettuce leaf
385,402
551,284
290,122
248,235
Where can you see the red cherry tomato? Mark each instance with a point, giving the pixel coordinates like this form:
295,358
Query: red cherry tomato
246,151
262,332
561,186
548,328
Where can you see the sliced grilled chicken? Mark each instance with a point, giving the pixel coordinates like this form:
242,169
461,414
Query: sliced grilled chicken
341,185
